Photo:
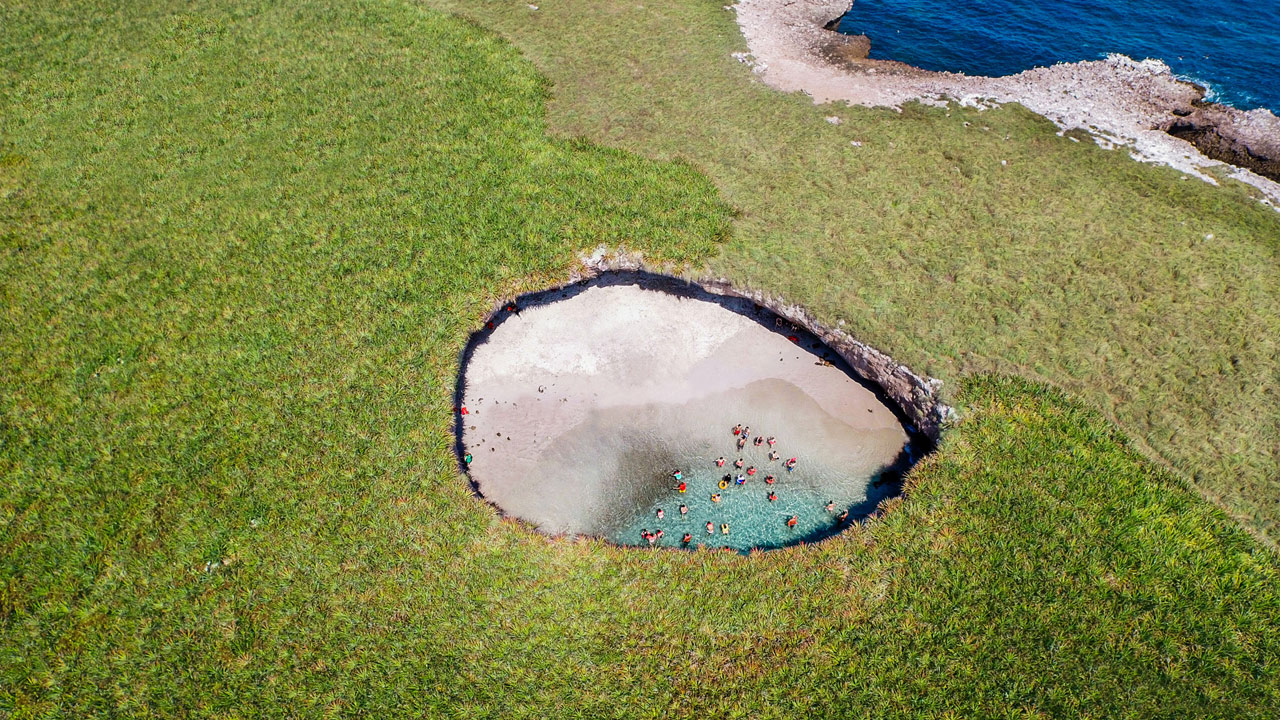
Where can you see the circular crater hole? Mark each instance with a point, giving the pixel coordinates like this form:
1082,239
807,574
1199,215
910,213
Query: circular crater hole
605,409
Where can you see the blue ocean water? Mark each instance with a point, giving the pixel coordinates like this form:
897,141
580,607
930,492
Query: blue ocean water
1231,48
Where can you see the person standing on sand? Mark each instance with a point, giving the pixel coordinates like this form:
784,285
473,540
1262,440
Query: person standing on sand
773,455
758,441
771,440
742,442
746,432
677,475
737,429
791,464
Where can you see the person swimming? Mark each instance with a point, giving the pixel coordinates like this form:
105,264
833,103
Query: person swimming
843,516
658,534
715,497
710,527
720,461
772,496
740,479
724,528
751,470
791,464
688,538
768,479
682,487
831,506
739,463
677,475
791,521
684,509
660,513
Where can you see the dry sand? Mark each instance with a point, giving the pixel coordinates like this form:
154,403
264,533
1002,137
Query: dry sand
1122,102
561,394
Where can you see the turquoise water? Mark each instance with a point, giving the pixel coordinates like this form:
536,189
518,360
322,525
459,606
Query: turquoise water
834,466
1232,48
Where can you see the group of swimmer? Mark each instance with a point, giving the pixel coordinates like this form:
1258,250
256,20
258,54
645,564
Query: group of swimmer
743,435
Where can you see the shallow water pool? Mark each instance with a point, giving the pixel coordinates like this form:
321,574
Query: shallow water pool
580,408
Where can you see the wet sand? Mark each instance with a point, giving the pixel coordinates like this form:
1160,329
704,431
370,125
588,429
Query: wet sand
579,410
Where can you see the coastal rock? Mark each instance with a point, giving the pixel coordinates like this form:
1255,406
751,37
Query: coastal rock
1119,101
1244,139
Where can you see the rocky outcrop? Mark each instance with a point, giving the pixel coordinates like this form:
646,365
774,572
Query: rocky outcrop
1245,139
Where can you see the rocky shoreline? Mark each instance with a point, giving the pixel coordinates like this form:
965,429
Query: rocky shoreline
1121,102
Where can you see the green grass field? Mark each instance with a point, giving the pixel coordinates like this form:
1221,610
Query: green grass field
1154,297
243,243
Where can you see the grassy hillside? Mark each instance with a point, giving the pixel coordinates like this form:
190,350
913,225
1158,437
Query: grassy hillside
957,241
242,246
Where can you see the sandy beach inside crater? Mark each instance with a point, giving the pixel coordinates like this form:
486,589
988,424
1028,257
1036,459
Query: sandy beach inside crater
1120,101
578,410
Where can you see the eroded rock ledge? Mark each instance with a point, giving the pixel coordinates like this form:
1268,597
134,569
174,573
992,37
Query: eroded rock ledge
1249,140
917,396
